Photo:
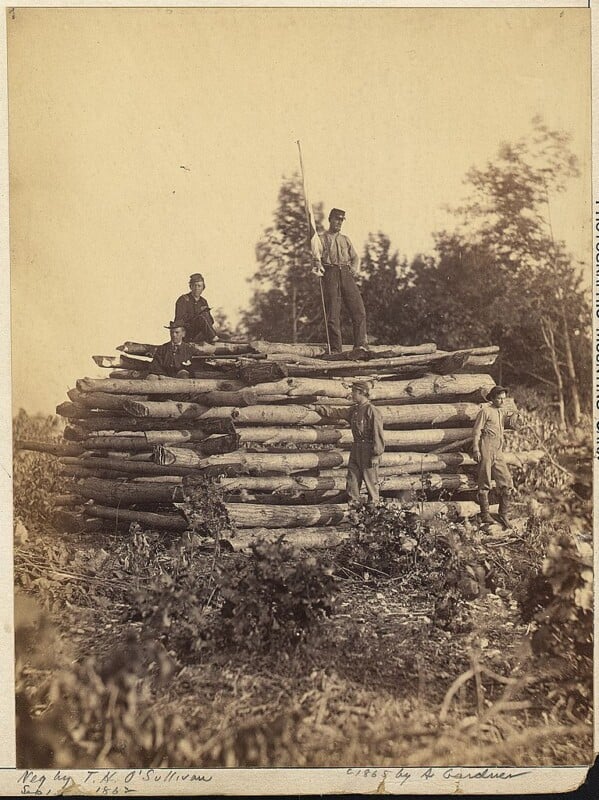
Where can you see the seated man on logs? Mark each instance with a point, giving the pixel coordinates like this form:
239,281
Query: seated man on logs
336,267
173,358
487,448
193,309
369,443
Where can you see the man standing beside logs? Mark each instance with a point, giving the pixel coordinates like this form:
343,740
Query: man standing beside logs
487,448
336,268
369,443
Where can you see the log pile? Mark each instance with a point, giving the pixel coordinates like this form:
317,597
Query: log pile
255,418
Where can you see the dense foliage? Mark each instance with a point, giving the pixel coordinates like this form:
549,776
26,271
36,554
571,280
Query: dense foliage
274,598
35,475
286,305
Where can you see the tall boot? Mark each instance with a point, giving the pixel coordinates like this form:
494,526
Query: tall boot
504,509
483,501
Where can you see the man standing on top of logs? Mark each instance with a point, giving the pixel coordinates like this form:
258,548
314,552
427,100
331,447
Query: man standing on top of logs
173,358
488,453
369,443
194,311
336,268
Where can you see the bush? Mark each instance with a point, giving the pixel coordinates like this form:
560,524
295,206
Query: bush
274,597
36,476
384,539
559,603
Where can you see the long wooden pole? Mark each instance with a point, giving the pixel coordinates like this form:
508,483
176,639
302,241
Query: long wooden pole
324,308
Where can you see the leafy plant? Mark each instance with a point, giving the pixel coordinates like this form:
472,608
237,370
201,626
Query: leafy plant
36,476
559,603
274,597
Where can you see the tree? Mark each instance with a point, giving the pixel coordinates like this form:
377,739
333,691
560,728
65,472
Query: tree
502,278
286,303
380,279
509,214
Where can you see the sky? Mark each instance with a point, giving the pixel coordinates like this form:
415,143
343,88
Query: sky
147,144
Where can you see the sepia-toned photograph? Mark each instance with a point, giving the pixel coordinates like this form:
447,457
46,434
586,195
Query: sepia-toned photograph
302,395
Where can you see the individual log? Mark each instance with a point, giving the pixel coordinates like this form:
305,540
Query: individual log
259,463
161,385
453,509
70,471
126,444
138,444
314,350
72,411
261,373
149,519
318,365
138,349
123,466
205,373
101,400
79,522
242,397
218,349
128,374
273,435
275,415
249,515
114,493
308,538
409,463
164,409
423,414
52,448
121,362
287,499
127,425
298,485
414,439
426,389
282,484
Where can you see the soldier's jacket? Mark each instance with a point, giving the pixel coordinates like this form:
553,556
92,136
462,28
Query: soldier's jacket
366,427
197,317
169,358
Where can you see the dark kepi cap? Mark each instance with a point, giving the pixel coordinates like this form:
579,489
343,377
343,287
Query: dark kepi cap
337,213
362,386
496,390
178,323
196,278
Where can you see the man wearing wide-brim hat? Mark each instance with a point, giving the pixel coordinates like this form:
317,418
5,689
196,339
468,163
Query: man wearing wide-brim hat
369,443
194,311
336,267
487,448
173,358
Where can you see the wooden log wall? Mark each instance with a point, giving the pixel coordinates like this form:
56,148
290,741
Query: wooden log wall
258,417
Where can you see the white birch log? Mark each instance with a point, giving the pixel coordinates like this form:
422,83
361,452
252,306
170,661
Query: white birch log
259,463
427,388
250,515
308,538
161,385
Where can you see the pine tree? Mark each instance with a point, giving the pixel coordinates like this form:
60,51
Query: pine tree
286,304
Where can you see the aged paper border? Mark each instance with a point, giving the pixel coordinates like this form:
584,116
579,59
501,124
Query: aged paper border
239,781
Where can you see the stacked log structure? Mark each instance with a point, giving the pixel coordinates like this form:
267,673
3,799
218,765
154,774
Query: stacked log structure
255,417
